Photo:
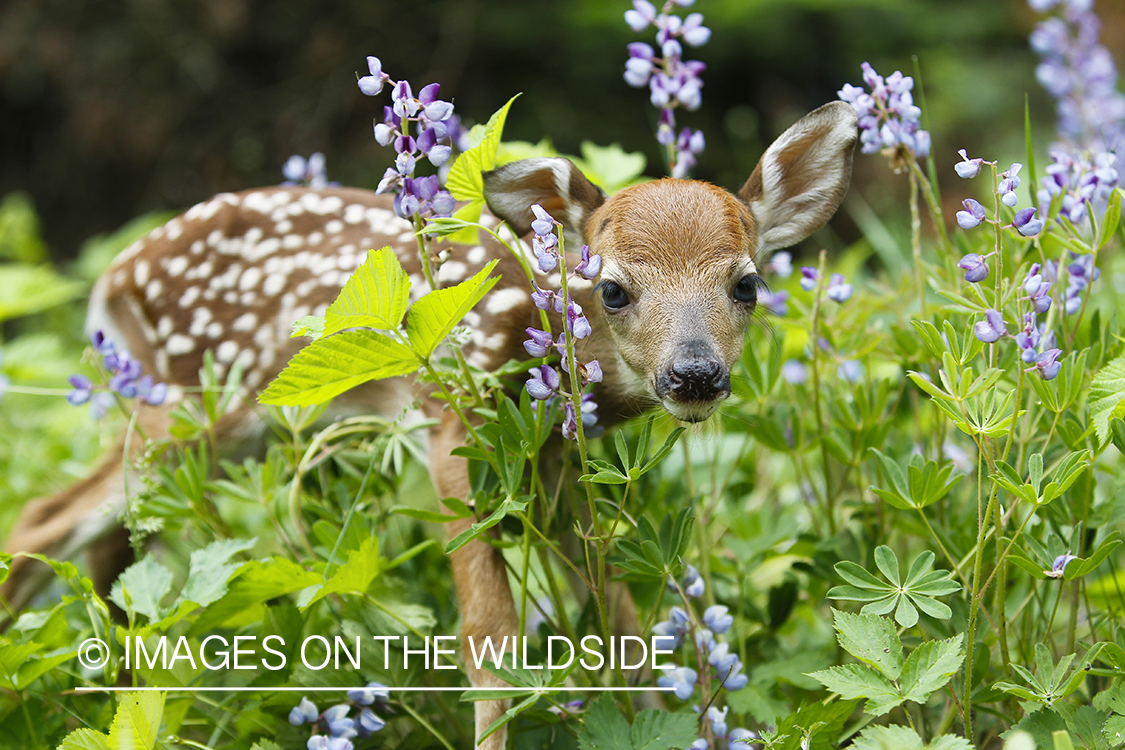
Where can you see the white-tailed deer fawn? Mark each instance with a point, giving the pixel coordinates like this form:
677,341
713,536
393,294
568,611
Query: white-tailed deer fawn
677,290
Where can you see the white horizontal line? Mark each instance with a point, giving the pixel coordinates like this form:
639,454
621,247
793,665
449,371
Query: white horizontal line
149,688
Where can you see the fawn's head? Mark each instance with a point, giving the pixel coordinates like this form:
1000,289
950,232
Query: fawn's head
679,278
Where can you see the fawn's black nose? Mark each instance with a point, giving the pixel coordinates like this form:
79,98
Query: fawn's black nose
695,374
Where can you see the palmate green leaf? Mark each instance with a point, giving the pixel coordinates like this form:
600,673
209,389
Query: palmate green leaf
858,681
375,296
930,666
1106,394
329,366
887,562
434,315
870,639
855,594
859,576
145,583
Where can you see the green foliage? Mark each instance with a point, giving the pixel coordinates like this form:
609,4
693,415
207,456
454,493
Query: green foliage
604,728
888,680
916,592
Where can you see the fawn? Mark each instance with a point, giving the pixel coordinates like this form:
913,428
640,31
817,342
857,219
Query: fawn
676,294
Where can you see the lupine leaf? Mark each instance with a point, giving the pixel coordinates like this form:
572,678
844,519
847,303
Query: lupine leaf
434,316
375,296
327,367
888,563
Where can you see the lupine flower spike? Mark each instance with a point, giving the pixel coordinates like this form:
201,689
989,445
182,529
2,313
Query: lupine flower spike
430,136
889,121
125,380
672,81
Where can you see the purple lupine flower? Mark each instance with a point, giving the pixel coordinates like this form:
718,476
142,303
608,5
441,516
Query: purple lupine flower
718,720
1026,223
781,264
716,618
973,214
1008,184
733,679
1080,73
1028,338
704,639
975,268
1038,290
369,722
888,118
992,328
775,302
81,392
741,738
681,680
1048,364
593,372
589,411
672,81
372,84
570,422
696,588
809,278
838,289
539,343
700,744
576,322
310,172
367,695
543,382
794,371
339,724
967,168
590,265
666,630
1058,567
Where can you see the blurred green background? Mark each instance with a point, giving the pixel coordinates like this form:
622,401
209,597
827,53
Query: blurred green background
113,108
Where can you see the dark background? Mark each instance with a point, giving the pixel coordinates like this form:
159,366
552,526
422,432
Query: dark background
109,109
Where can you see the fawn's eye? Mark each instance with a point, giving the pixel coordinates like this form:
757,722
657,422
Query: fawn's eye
746,290
613,296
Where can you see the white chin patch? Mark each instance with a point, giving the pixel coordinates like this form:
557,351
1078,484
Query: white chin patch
691,412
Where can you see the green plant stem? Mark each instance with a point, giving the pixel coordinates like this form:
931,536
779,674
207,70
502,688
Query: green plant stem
829,509
916,243
974,606
936,213
423,253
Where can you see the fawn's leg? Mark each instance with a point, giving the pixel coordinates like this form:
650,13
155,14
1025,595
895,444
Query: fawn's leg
485,597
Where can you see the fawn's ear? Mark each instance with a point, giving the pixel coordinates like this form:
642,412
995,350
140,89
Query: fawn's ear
555,184
801,179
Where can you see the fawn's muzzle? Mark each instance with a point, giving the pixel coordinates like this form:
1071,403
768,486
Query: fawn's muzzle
695,375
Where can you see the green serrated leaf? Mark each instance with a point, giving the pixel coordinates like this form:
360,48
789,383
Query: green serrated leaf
375,296
137,721
146,583
364,565
930,666
433,316
872,640
858,681
663,730
464,180
327,367
1106,393
604,728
